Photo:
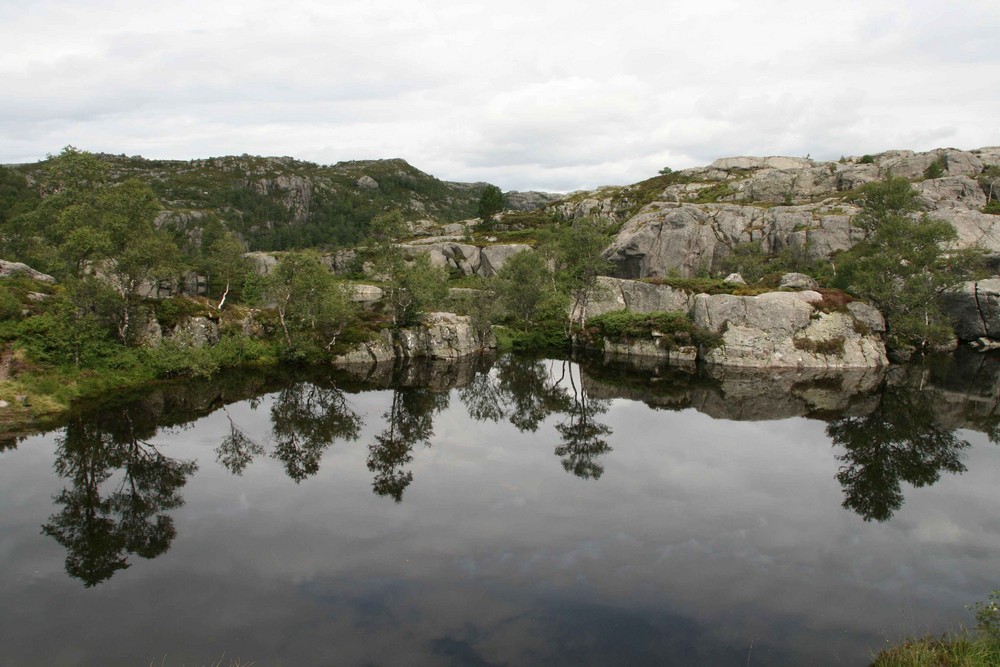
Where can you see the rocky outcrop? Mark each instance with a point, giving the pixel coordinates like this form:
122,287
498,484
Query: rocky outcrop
784,330
617,294
773,330
262,263
189,332
442,336
529,201
974,308
8,269
780,202
682,238
190,284
438,336
465,258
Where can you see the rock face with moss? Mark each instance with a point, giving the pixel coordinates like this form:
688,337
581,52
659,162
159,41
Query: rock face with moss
784,329
465,258
689,221
975,310
787,330
438,336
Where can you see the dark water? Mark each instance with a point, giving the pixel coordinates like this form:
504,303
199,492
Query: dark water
508,512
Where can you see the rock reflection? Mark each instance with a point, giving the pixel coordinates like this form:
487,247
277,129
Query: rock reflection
100,526
410,421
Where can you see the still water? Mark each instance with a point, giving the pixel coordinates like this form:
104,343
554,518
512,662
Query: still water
511,511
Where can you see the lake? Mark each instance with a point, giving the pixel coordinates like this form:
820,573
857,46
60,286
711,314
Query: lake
508,511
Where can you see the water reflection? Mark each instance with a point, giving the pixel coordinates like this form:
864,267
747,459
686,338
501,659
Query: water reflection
583,436
103,519
527,391
409,422
900,441
305,419
890,429
519,389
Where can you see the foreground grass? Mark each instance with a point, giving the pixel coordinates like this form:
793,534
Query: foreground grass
962,649
40,394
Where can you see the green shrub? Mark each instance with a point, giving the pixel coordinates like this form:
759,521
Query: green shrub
713,193
867,159
937,168
674,328
827,347
171,312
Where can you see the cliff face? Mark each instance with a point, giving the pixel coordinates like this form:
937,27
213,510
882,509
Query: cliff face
687,221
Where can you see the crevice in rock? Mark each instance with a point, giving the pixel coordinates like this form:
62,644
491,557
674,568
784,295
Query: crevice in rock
979,309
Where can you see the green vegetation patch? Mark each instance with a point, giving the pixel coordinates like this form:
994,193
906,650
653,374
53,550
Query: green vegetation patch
709,286
832,347
171,312
634,197
673,328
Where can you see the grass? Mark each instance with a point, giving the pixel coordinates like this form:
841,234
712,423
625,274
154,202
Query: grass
961,649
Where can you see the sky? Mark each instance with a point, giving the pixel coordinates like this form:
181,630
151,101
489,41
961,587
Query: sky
549,95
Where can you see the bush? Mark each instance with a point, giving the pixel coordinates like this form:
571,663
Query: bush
674,328
827,347
937,168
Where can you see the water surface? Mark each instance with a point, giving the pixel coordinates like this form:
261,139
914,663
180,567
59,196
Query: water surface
511,511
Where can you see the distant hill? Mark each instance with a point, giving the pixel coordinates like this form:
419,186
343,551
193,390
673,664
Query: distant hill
278,203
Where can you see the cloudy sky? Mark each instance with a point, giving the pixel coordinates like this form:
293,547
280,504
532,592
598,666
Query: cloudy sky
547,94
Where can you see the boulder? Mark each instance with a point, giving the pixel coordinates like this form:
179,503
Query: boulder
797,281
493,257
196,332
452,256
783,330
442,336
951,192
8,269
617,294
261,262
736,279
438,336
974,308
366,294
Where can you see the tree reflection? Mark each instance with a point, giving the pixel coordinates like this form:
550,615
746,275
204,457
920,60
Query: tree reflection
582,435
526,391
305,420
237,450
410,421
520,390
97,530
899,441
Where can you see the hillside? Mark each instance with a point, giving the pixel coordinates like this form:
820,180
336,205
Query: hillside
276,203
688,222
